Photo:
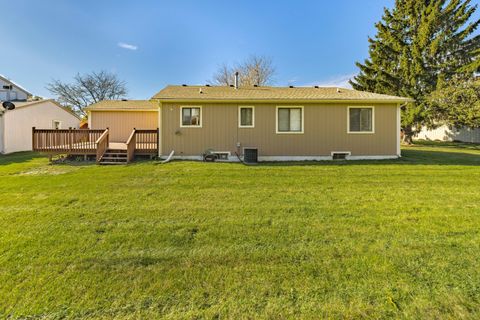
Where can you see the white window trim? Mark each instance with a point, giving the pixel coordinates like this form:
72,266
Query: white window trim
190,126
59,124
240,116
361,132
289,132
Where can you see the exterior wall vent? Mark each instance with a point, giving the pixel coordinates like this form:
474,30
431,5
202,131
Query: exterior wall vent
340,155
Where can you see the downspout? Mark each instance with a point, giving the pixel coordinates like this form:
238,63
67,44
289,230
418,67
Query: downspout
399,126
160,130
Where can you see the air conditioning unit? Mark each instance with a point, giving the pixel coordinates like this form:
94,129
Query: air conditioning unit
250,155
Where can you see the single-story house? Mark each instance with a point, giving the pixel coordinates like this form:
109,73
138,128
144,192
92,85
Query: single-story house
16,125
281,123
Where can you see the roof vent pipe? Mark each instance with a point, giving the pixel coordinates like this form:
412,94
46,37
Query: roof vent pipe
236,79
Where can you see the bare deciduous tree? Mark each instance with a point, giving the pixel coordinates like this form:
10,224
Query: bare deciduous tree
224,76
256,70
87,89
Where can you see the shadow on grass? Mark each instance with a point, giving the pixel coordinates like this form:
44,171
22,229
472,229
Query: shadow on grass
409,157
19,157
448,144
26,156
423,153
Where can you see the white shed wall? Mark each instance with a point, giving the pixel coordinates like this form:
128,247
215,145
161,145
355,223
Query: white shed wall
18,123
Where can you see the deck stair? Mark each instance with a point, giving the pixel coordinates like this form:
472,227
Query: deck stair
114,156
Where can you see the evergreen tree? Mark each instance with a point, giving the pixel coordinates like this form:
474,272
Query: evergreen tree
457,102
419,43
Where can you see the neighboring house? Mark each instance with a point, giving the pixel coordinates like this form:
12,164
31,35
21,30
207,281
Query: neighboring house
16,125
283,123
449,133
10,91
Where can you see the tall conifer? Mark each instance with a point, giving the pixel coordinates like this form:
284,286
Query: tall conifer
420,43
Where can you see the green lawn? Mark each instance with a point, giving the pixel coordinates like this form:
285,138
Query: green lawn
189,240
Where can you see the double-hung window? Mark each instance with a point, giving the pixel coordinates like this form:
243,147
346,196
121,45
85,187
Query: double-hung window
289,119
360,120
191,116
246,117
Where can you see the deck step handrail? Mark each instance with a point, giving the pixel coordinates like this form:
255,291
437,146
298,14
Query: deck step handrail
131,142
102,145
146,141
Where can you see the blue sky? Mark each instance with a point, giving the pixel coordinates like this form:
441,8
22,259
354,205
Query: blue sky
150,44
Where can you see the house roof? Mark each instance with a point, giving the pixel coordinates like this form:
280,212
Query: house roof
224,93
2,77
23,104
127,105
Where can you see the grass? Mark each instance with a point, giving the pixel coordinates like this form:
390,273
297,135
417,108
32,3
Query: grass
187,240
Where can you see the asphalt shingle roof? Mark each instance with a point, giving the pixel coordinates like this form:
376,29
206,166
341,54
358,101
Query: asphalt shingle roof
192,93
106,105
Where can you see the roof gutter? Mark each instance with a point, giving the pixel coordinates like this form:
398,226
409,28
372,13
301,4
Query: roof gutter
392,101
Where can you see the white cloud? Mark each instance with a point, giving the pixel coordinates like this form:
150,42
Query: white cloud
338,81
127,46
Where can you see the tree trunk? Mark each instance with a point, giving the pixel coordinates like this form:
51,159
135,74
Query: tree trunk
408,135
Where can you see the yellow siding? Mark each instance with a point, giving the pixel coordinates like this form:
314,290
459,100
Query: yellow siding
121,123
325,130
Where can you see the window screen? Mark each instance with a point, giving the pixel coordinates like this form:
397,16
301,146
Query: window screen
246,117
361,120
191,116
289,119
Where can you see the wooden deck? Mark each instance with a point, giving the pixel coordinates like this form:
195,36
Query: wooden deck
93,142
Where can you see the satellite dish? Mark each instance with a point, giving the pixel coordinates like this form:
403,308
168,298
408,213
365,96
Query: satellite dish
8,105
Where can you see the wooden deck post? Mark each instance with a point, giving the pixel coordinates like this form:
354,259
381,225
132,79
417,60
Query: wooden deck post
69,137
158,142
33,138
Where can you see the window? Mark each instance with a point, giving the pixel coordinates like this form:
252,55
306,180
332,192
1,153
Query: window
246,117
191,117
360,120
289,119
56,124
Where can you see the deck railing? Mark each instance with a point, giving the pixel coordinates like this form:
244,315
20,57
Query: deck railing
73,141
102,145
131,142
146,141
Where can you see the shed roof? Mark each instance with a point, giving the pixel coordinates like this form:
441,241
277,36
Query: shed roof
23,104
129,105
